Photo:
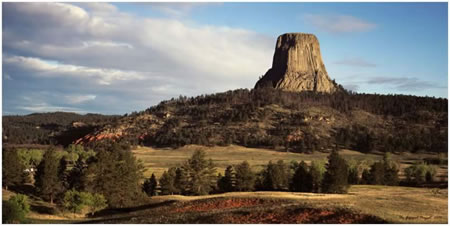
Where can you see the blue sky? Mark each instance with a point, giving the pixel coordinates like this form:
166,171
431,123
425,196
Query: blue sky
115,58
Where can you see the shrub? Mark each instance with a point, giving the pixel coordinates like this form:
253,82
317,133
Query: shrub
15,209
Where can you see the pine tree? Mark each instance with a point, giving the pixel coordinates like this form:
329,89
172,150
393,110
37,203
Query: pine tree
149,186
336,177
201,173
366,177
390,170
181,181
227,183
316,170
245,178
12,168
167,182
377,173
302,179
116,175
353,177
275,177
47,181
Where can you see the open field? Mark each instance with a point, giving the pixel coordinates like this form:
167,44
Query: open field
363,204
158,160
389,204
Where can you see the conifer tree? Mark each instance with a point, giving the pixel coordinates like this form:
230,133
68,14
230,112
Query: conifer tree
390,170
12,168
47,181
149,186
316,170
245,178
302,179
275,177
227,183
181,181
353,177
167,182
336,177
366,177
116,174
201,173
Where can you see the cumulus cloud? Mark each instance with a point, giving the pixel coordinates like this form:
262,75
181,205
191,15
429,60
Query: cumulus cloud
355,62
128,60
338,23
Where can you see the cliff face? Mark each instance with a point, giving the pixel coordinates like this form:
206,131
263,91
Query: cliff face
297,65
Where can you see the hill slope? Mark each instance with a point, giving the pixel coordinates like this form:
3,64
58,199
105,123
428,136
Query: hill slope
297,122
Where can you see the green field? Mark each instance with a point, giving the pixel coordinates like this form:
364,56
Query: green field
158,160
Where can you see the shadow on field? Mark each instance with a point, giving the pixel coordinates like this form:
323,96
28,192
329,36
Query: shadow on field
116,211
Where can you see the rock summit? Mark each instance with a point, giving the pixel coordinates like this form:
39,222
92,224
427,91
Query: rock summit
297,66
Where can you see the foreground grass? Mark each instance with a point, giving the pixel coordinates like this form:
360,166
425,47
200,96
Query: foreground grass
363,204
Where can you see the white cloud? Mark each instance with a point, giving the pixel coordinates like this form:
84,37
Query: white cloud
123,56
338,23
54,69
44,107
77,99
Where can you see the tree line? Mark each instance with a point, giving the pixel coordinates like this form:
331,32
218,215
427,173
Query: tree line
76,178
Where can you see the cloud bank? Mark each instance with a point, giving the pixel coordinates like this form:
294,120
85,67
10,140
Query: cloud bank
123,62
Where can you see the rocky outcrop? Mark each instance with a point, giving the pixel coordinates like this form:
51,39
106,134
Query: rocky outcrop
297,65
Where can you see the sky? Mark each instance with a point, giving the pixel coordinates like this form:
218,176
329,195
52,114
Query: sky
115,58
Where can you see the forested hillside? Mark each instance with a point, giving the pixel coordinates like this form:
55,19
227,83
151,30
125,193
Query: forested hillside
50,128
289,121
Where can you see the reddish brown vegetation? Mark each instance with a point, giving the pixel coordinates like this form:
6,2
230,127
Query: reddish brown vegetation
300,216
259,211
219,205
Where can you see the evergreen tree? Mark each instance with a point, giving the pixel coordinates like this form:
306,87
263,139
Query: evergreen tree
181,181
167,182
336,177
201,174
390,170
245,178
227,183
275,177
366,177
47,181
116,175
353,177
302,180
316,170
377,173
149,186
12,169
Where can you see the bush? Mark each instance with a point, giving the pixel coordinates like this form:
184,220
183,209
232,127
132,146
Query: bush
15,209
420,173
76,201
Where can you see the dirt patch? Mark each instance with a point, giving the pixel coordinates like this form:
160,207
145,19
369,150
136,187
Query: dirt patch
219,204
300,216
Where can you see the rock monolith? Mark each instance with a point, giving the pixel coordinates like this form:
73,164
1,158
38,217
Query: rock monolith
297,65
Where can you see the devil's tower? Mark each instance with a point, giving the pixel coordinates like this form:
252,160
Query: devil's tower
297,65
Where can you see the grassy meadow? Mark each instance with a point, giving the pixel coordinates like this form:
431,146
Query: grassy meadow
158,160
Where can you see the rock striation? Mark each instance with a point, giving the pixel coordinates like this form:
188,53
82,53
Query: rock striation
297,66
